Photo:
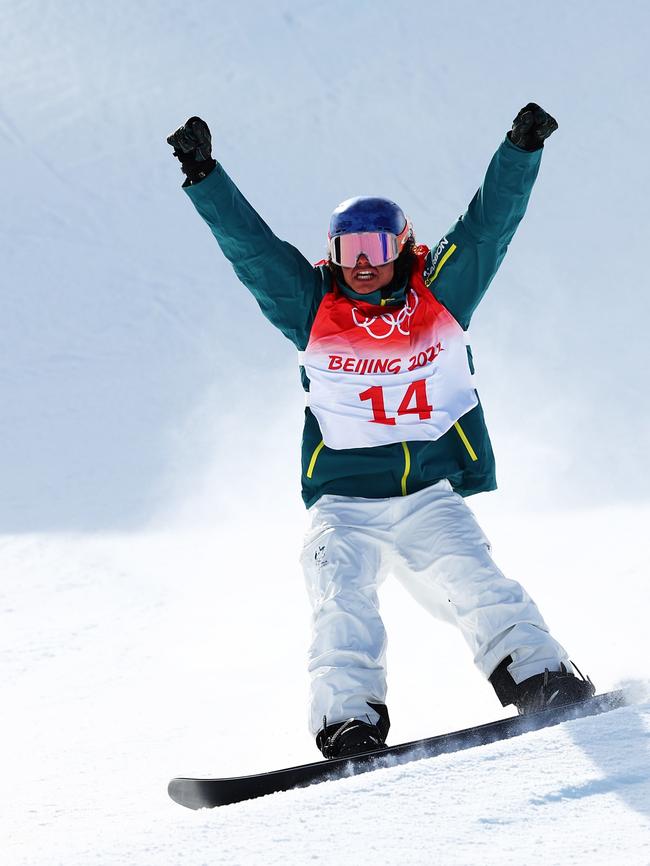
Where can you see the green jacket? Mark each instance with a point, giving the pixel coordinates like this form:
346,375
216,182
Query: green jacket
458,271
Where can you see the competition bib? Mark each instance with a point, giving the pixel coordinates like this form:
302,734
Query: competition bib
382,375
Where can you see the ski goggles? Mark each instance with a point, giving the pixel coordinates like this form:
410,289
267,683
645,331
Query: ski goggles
378,247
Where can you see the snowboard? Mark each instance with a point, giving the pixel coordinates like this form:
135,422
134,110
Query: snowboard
208,793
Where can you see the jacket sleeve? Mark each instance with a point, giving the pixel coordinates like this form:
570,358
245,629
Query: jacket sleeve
463,265
285,285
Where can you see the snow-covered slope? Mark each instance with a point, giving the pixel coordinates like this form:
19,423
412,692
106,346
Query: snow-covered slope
127,661
152,616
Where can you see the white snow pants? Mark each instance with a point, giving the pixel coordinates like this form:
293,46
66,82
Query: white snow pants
432,543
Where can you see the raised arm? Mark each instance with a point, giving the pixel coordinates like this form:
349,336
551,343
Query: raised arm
462,267
286,286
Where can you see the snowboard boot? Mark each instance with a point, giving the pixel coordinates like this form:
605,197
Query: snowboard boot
542,691
354,736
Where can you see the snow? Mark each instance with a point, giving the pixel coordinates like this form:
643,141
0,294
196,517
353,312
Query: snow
152,616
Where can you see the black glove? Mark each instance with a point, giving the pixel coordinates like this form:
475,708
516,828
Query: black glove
192,145
531,127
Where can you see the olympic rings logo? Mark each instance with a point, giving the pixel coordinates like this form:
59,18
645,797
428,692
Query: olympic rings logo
400,321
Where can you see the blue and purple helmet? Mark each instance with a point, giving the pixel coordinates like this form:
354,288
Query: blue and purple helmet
376,227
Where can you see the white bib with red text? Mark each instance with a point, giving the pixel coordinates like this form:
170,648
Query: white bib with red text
381,375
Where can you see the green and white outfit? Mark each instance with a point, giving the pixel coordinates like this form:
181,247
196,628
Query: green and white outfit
394,438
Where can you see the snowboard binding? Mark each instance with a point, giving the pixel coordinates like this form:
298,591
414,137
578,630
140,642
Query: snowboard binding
543,691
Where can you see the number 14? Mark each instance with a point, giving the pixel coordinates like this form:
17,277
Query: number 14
414,402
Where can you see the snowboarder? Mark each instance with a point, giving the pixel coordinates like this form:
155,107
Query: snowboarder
394,434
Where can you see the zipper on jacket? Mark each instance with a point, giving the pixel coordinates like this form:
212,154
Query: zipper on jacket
465,441
407,466
314,458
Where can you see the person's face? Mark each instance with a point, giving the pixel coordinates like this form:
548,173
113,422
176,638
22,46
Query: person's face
364,278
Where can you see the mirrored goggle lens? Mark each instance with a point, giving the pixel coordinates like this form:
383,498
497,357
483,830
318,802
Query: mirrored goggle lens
378,247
